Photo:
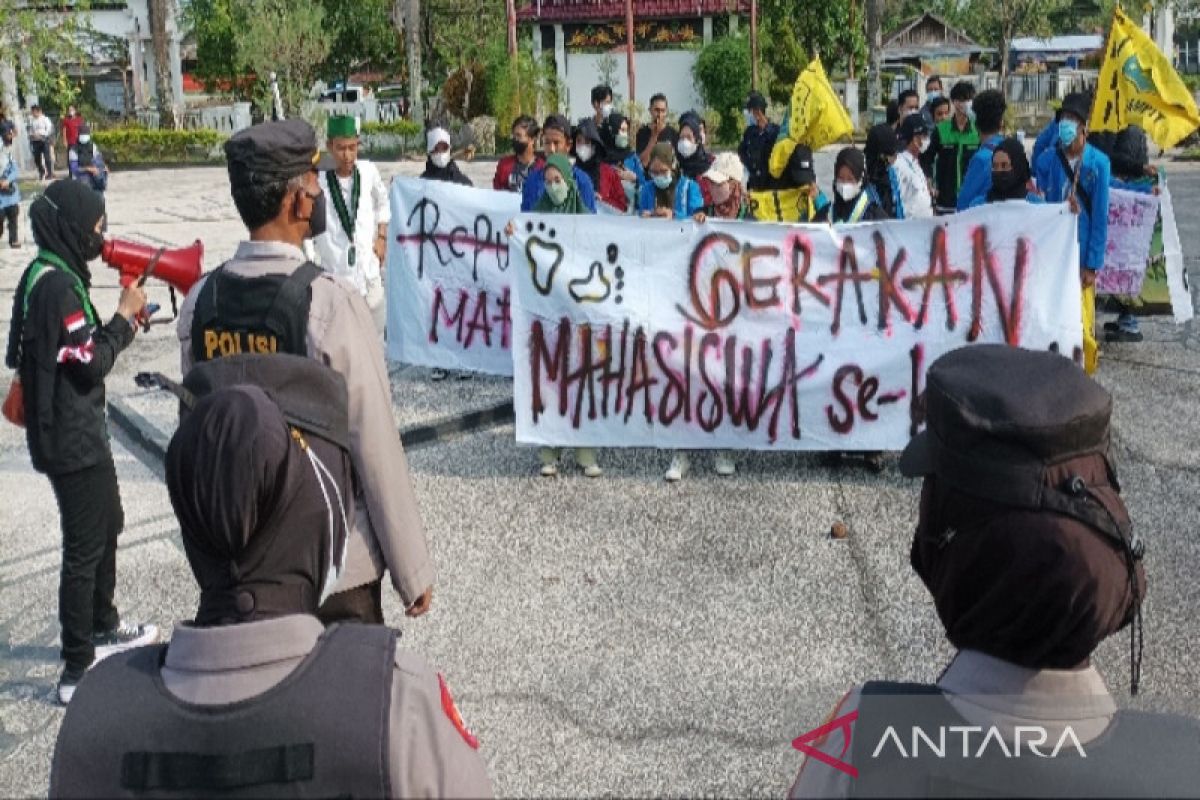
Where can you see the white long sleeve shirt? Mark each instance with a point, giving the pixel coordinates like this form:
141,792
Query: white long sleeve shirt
333,246
914,187
40,128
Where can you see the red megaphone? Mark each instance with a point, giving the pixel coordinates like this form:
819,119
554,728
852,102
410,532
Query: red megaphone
180,268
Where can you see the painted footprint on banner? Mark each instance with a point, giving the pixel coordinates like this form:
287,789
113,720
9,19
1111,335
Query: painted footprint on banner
544,255
597,286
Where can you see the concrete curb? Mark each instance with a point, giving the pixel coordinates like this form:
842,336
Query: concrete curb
154,440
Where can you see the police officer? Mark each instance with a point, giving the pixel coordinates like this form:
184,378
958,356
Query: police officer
270,299
1027,549
254,697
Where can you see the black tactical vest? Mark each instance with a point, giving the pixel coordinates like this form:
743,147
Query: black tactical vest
1139,755
268,314
321,732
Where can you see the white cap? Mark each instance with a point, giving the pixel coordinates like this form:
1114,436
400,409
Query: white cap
726,167
434,137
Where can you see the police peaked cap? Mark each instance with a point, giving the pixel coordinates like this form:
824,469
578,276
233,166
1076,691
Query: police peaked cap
997,416
274,151
311,396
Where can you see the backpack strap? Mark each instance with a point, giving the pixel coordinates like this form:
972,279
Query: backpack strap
292,293
1083,193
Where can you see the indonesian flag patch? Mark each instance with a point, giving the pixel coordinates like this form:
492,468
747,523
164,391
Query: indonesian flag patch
456,718
75,321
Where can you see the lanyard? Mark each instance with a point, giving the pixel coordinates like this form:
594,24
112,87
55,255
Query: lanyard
347,217
48,259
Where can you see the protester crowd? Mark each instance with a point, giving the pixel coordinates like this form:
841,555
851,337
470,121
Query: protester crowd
294,499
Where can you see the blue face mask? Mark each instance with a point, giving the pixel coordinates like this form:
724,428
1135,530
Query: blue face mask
662,181
1067,131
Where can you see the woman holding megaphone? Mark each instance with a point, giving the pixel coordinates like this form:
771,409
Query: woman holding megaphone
62,354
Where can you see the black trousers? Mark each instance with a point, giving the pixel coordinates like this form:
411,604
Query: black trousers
9,215
89,504
361,604
41,158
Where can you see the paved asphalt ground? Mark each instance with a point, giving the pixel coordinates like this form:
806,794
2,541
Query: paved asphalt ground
617,636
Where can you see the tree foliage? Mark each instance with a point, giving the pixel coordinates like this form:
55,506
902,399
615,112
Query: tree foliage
722,72
50,46
287,37
997,22
214,23
832,29
363,36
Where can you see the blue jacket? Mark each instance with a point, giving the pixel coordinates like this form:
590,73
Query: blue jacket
12,197
1045,141
978,180
688,198
1094,177
535,184
99,181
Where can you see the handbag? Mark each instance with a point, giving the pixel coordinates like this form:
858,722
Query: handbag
14,404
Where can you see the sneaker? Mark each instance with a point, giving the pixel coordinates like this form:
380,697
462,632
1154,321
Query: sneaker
549,470
464,375
1120,335
125,636
724,465
679,467
66,686
874,461
1112,325
438,374
586,458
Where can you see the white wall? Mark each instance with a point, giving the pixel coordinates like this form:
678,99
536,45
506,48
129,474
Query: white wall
666,71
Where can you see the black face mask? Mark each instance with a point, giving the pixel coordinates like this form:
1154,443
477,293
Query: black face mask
519,148
1006,183
92,244
317,222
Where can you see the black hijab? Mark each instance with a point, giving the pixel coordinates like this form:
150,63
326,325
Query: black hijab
698,162
1011,185
588,128
64,221
252,510
853,158
608,133
882,144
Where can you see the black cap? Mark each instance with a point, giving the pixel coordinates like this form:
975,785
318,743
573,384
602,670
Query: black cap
997,416
275,151
913,125
756,100
1078,104
800,166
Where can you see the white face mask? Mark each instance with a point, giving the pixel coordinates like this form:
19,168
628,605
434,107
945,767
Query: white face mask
585,152
440,160
749,117
924,144
686,148
848,191
84,138
606,109
622,140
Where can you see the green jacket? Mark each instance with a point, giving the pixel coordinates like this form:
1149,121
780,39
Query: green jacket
952,151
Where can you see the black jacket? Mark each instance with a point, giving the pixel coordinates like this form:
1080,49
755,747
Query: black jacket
64,359
449,173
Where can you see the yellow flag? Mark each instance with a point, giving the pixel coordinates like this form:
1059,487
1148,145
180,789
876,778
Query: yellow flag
818,117
1138,86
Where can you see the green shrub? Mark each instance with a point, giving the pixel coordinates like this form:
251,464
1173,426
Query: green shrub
723,74
401,127
137,145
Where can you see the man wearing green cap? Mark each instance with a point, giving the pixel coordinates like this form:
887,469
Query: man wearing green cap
357,213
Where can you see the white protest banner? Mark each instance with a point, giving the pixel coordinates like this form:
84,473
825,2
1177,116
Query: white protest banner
448,277
1177,281
1131,219
758,336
